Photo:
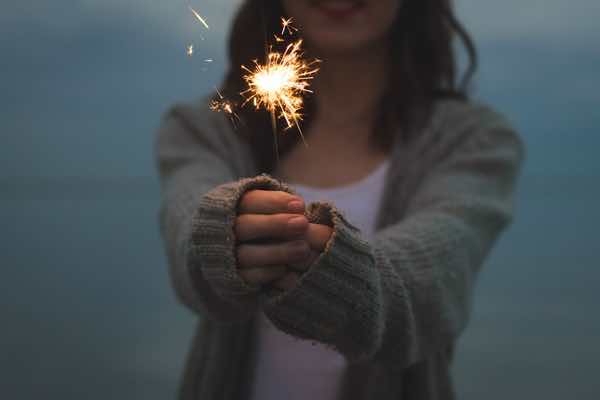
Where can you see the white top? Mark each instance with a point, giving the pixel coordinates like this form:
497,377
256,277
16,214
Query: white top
293,369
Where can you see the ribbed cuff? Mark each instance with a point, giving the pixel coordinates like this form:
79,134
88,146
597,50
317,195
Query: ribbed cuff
338,300
211,252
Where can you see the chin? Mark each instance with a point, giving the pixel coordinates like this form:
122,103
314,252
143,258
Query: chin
337,44
343,26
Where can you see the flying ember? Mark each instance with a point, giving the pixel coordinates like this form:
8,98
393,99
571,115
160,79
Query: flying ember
198,17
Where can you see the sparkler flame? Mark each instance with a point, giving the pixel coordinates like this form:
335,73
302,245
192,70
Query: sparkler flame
190,50
278,85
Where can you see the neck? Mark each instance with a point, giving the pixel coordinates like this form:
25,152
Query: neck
348,87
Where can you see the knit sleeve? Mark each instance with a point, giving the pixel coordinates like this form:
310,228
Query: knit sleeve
406,293
200,189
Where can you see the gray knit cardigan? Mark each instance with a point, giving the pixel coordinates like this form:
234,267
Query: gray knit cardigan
393,306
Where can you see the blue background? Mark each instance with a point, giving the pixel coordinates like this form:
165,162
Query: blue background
86,303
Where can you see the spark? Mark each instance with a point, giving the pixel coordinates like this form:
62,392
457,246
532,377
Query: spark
208,60
225,106
198,16
286,24
190,50
278,85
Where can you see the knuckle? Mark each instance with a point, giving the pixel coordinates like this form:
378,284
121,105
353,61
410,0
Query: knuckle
294,225
283,198
280,199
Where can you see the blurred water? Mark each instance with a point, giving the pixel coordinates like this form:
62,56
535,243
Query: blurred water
90,313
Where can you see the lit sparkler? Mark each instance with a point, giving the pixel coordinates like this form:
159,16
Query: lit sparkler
278,85
190,50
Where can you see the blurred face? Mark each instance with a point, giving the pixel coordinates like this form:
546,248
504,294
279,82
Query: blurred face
343,26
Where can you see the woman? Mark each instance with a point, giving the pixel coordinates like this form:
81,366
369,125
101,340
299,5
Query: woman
363,295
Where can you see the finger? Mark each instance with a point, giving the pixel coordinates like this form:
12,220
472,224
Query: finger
304,265
261,276
257,226
260,255
288,281
318,235
270,202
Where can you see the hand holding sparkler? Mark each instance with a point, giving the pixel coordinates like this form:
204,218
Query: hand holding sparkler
289,242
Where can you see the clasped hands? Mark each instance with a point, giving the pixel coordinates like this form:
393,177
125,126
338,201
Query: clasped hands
275,241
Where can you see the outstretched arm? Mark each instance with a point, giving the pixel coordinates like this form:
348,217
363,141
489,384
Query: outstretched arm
406,293
206,226
200,186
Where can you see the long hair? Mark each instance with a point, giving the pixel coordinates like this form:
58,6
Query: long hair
424,70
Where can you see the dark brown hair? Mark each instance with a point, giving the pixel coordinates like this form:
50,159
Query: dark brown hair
424,70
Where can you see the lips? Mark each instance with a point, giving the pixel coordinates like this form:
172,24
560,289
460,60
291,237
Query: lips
338,8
